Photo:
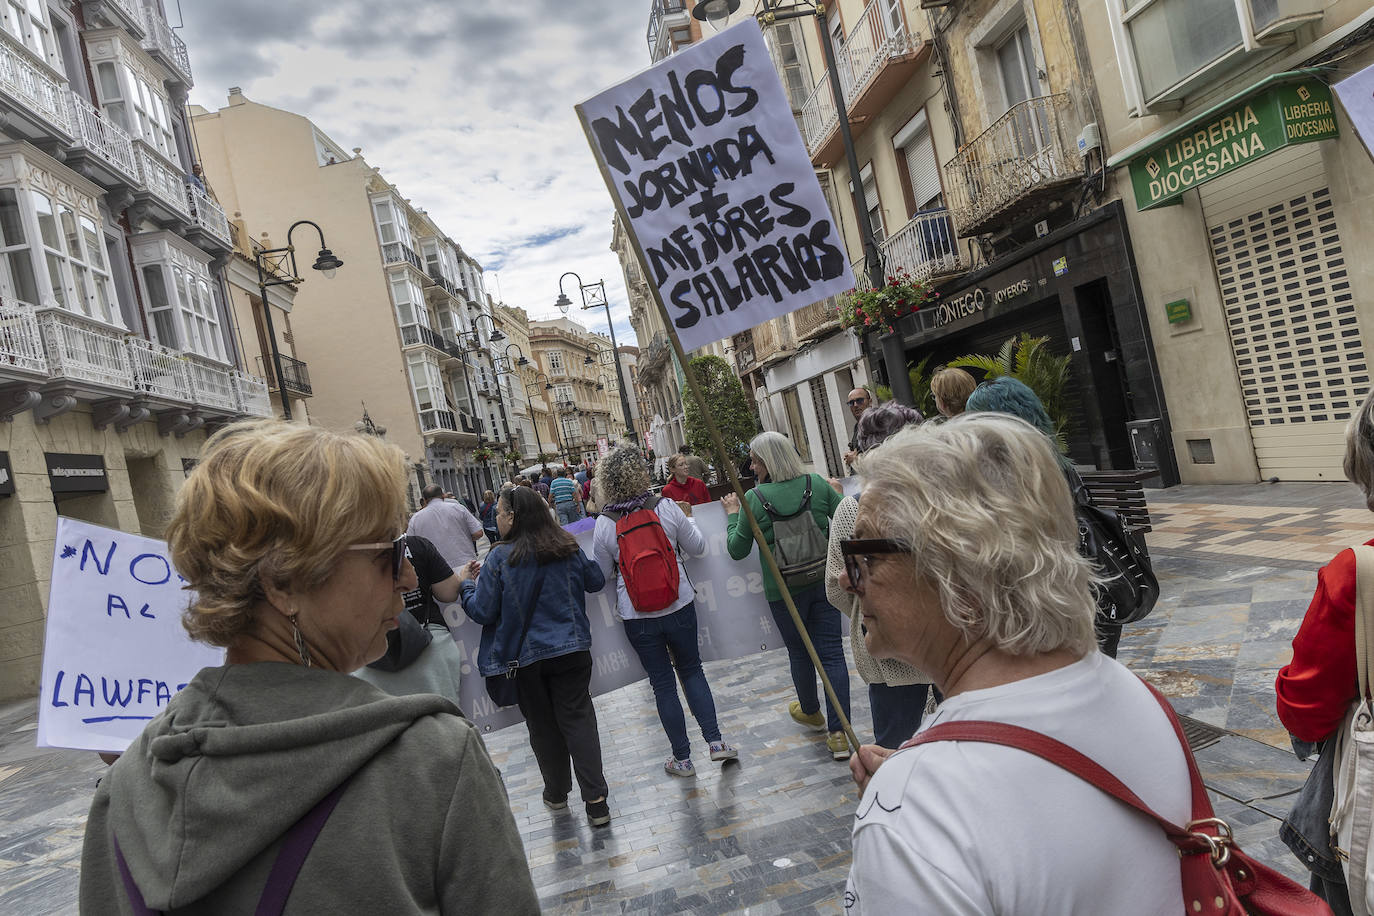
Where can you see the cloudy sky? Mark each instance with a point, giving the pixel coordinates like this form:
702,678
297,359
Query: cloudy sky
465,105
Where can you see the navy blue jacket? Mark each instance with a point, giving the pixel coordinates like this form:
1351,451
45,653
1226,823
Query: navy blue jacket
558,624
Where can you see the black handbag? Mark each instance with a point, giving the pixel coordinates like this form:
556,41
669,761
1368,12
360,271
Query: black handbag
404,644
502,687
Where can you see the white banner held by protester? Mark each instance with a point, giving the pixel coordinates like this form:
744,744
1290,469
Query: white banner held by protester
1357,96
115,651
705,159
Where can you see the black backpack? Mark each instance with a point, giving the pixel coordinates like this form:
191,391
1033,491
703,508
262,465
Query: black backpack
1131,589
799,544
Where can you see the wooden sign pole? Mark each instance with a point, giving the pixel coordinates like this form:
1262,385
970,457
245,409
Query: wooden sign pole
723,460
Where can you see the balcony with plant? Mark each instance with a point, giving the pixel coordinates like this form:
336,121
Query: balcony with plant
879,308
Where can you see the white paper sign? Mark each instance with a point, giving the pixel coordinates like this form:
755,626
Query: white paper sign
1357,96
704,154
115,650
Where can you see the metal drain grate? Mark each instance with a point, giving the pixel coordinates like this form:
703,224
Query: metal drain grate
1200,734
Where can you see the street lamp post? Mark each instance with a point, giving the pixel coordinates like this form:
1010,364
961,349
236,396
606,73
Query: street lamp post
509,365
529,388
277,267
471,342
593,295
717,12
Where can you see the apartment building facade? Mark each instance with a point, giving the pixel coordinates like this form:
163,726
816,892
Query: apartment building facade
118,351
584,397
1249,194
408,336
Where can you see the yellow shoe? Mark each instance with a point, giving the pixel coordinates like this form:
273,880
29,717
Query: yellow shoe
815,721
839,745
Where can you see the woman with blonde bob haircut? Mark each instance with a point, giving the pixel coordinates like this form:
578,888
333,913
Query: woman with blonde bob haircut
965,563
290,540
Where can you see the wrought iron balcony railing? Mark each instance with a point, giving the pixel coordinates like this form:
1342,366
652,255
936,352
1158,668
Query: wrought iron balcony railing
159,371
164,182
80,349
1031,148
254,401
675,12
447,285
165,44
414,335
925,247
816,320
867,48
21,342
31,87
400,253
211,384
102,136
208,214
294,374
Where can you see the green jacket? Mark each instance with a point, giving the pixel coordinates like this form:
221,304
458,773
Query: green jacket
786,497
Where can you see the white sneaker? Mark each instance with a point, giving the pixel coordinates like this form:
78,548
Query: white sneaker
675,767
722,751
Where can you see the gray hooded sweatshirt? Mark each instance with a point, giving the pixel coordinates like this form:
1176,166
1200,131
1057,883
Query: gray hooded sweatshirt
201,800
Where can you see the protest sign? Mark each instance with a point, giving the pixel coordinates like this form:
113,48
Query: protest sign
115,650
1357,96
733,619
710,174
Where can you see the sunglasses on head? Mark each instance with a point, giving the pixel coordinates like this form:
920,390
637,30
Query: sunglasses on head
399,552
858,556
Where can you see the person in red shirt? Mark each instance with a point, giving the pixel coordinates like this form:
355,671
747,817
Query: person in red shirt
683,488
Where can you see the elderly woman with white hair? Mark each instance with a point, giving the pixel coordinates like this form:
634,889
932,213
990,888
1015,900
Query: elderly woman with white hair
965,562
793,509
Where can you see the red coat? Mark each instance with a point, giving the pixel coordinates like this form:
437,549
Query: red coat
1316,688
693,491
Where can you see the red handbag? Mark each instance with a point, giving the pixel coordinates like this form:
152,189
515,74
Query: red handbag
1218,879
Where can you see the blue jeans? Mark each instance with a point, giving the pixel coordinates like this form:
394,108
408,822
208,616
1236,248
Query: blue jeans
568,512
823,625
653,639
897,711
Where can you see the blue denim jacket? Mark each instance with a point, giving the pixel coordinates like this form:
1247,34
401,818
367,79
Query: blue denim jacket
558,622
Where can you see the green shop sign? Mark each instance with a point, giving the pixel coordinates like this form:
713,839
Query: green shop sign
1234,133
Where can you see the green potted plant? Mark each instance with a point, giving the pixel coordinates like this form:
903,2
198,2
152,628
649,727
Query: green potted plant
482,454
878,308
513,456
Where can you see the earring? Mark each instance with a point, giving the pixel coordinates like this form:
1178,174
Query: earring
301,648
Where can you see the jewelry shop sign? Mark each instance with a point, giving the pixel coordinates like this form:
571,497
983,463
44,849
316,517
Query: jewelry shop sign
1232,135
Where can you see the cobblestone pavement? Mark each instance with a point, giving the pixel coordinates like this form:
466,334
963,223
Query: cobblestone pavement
770,833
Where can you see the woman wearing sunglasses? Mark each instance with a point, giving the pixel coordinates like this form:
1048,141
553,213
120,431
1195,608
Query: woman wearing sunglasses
965,563
288,538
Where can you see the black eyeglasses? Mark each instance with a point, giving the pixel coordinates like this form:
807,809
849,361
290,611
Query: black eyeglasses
855,550
857,402
399,552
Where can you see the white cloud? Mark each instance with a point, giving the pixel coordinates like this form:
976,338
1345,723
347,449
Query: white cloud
467,108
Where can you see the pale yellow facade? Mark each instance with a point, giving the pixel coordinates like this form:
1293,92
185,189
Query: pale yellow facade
584,399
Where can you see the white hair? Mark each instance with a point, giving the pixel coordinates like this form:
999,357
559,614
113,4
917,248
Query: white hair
778,454
983,505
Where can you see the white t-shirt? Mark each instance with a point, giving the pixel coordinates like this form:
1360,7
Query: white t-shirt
450,527
683,534
956,828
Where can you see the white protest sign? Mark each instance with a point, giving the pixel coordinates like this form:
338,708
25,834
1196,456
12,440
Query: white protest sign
1357,96
115,650
703,154
733,619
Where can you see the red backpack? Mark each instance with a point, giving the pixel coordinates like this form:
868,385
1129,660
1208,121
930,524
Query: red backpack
648,563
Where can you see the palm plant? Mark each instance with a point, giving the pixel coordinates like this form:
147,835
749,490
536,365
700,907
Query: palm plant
1028,359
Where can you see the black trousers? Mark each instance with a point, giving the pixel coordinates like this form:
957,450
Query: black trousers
558,712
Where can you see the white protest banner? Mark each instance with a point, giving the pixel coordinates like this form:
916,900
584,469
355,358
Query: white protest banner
1357,96
704,157
115,650
733,619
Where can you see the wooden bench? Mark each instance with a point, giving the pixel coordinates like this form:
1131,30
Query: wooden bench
1121,491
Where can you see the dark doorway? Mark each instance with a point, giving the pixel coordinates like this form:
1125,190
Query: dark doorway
1107,376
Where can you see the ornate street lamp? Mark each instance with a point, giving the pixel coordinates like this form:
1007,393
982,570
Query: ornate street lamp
367,427
277,267
593,295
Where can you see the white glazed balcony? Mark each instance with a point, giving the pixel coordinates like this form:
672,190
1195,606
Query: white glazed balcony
82,350
208,215
211,384
867,49
31,88
254,401
925,247
162,181
1027,151
159,371
21,343
102,136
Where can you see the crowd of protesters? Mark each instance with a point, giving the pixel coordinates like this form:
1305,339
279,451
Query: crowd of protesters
956,570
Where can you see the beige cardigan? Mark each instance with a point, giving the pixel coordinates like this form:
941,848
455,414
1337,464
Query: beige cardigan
873,670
